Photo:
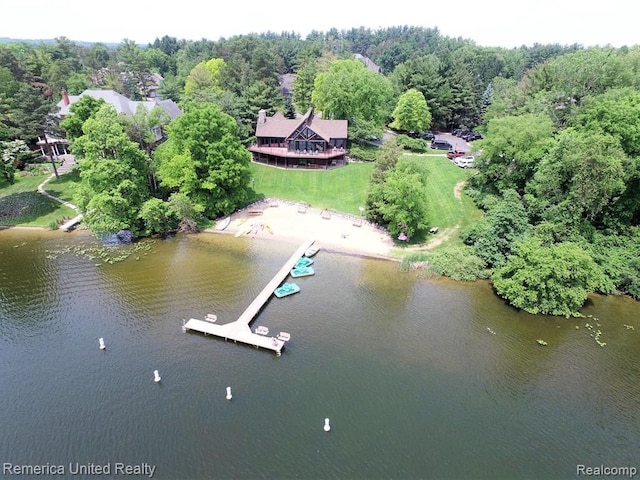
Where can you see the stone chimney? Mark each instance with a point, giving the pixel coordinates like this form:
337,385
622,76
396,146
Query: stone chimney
65,97
262,117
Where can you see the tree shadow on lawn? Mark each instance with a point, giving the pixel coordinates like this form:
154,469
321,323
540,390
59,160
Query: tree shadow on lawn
64,187
25,207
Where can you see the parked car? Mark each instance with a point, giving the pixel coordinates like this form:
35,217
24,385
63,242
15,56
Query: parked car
465,161
455,154
471,136
441,145
428,136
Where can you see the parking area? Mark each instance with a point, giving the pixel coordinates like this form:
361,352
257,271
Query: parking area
457,142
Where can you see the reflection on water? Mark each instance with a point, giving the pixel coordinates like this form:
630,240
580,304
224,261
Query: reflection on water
421,378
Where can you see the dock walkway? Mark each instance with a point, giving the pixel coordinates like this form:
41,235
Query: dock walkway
240,330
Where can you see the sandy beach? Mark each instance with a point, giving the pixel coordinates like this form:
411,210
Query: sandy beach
287,221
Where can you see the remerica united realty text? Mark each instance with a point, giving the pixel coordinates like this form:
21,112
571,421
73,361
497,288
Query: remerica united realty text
84,469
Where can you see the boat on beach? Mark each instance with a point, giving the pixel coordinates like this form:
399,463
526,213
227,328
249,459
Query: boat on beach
286,289
245,229
222,224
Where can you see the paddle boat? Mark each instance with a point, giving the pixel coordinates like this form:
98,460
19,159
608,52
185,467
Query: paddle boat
262,330
303,262
284,336
302,272
286,289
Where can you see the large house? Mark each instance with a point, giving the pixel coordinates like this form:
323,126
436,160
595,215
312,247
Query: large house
307,142
122,105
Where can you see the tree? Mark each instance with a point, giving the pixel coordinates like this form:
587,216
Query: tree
113,173
582,175
423,74
399,201
81,111
303,84
616,112
10,153
511,150
204,81
411,113
494,236
350,91
26,112
204,159
386,160
157,216
553,280
134,70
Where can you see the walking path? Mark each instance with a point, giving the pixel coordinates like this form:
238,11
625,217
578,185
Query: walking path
67,164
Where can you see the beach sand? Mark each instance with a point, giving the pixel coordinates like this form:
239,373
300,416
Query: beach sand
293,223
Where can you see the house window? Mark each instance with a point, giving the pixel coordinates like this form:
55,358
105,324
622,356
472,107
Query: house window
157,133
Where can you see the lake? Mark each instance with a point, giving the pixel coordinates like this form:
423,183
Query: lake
420,378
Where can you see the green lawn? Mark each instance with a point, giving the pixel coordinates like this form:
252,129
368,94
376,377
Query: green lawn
21,204
444,209
341,189
344,189
65,187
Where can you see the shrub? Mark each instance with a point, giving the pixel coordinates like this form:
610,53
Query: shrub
366,154
412,144
457,262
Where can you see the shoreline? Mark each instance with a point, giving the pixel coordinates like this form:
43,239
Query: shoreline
286,221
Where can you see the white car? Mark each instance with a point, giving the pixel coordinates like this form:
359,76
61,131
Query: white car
465,161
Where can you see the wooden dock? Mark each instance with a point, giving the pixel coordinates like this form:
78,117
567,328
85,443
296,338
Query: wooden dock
240,330
68,226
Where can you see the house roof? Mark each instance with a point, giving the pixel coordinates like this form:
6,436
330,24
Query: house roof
121,103
368,62
279,126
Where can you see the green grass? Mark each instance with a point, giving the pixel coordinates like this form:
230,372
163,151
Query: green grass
65,187
21,204
341,189
444,210
344,190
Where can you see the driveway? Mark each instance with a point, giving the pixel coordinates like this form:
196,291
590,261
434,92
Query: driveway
457,142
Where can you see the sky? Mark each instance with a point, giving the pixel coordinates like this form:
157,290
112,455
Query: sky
489,23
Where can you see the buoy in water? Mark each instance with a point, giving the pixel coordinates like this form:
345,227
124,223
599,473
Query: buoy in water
102,345
156,376
327,427
229,396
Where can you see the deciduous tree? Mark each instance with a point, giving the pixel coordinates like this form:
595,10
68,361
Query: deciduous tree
350,91
204,159
552,280
113,175
411,113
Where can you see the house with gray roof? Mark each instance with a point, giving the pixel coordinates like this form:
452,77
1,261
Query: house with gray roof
305,142
368,63
122,104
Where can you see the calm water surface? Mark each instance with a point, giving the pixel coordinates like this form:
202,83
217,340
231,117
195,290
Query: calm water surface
420,378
